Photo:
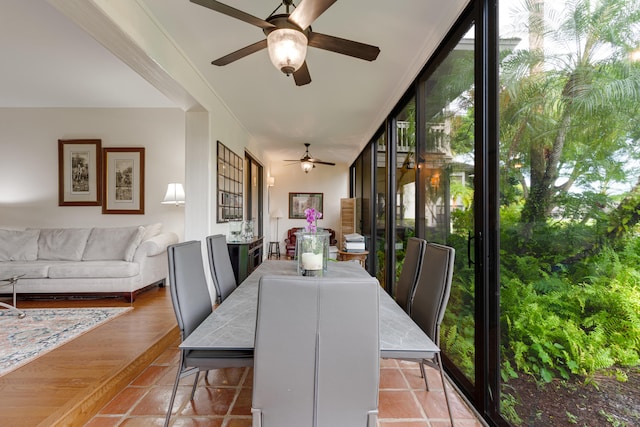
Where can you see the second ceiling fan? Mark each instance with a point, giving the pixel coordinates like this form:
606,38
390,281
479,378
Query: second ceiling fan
288,36
307,162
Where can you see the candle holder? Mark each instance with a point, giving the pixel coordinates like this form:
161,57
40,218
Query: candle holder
312,252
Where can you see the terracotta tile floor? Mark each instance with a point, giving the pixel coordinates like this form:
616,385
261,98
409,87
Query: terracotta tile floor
225,399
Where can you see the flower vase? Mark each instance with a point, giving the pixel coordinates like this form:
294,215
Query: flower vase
312,252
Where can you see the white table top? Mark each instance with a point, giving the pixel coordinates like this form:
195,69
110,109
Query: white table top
232,325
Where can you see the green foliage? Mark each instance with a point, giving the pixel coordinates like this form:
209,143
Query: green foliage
611,419
571,418
559,323
508,404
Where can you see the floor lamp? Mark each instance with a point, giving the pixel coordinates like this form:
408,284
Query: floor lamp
277,215
274,246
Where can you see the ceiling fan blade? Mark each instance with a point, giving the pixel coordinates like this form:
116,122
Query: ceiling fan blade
241,53
308,10
234,13
320,162
344,46
302,76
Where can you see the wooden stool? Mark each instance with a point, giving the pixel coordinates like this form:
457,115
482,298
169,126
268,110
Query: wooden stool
274,250
361,257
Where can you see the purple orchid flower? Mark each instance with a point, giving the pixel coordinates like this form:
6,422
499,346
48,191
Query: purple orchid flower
312,219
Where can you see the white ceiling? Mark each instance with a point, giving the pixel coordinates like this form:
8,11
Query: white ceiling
48,61
51,62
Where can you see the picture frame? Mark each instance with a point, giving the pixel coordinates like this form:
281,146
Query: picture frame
79,172
298,202
123,180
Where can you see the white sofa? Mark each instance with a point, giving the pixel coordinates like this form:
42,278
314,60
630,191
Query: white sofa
84,262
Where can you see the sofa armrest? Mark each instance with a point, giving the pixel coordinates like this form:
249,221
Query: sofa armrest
156,245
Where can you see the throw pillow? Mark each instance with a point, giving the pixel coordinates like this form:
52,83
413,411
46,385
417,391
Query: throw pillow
62,244
135,241
19,245
114,243
151,230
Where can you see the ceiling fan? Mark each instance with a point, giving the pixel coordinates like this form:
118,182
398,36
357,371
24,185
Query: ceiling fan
288,36
307,162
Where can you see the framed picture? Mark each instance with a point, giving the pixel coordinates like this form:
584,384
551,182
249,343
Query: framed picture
79,172
298,202
123,180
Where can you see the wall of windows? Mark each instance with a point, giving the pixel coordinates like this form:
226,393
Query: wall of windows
518,146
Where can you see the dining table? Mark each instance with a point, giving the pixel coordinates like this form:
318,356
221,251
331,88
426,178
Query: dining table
232,325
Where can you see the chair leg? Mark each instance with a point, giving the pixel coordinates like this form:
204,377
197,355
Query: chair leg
444,386
195,384
173,392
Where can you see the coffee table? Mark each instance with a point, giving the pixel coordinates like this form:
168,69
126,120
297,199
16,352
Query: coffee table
12,281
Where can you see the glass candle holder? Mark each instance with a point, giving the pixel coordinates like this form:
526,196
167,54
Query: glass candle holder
312,252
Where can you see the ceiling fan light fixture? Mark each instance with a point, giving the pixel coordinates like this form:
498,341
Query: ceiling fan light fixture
287,49
306,166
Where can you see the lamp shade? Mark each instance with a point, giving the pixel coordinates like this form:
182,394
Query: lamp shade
306,166
277,213
271,181
175,194
287,49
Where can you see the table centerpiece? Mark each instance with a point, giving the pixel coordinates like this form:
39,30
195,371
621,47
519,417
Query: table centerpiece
312,246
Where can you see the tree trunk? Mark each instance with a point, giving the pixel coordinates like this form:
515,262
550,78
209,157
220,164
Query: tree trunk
544,166
533,204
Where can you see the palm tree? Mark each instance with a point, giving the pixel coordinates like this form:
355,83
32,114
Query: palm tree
569,104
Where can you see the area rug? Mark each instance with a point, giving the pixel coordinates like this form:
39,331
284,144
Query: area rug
42,330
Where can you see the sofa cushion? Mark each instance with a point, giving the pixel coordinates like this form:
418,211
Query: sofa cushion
93,269
18,245
115,243
27,269
62,244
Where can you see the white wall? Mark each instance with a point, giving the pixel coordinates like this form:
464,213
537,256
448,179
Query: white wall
332,181
29,163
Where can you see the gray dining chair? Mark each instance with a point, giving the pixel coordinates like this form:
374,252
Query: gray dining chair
411,269
221,269
430,302
317,352
192,304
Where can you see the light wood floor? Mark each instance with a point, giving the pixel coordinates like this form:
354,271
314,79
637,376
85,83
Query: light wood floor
67,386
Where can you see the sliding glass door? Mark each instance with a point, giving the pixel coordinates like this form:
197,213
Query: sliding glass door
445,162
